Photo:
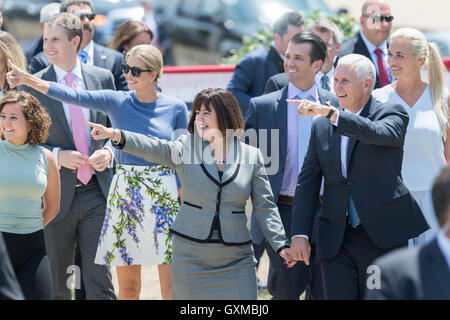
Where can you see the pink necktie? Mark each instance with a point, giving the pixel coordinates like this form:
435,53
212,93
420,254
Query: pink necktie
77,121
382,71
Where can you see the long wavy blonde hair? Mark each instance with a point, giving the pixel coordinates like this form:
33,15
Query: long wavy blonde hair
420,47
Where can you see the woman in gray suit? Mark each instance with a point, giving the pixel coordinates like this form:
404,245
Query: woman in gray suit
212,252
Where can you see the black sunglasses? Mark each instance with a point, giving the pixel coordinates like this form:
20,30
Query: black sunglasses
90,16
379,18
135,71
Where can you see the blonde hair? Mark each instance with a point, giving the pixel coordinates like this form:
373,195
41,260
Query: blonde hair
12,50
435,67
150,55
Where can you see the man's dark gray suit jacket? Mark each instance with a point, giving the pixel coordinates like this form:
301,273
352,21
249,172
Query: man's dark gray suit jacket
420,273
60,134
388,212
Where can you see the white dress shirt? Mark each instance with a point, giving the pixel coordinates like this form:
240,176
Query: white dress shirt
330,76
89,49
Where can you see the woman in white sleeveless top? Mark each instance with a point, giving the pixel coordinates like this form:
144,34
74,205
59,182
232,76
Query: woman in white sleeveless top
426,145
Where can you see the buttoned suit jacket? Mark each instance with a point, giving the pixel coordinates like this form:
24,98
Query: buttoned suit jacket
389,214
104,57
61,136
419,273
206,196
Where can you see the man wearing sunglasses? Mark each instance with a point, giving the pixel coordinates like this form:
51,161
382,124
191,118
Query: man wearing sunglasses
371,41
91,53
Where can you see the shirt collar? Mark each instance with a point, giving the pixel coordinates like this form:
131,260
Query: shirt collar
294,91
330,74
371,47
89,49
60,73
444,245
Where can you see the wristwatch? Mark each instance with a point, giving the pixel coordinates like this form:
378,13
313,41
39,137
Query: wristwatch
331,112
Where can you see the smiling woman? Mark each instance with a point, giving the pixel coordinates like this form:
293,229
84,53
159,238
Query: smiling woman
28,173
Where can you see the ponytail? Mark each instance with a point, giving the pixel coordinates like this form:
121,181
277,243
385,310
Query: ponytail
436,74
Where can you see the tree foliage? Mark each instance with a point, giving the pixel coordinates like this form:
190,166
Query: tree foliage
263,37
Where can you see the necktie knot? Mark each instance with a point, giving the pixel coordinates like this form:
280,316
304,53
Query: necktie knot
83,56
69,77
378,52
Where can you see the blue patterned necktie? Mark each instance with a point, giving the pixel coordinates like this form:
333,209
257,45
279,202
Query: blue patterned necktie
325,82
83,56
304,124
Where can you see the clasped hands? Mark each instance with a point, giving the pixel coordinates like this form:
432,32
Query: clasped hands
71,159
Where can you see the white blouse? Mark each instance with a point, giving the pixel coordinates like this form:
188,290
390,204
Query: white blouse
423,156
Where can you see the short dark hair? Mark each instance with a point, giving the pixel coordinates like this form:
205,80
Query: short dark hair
71,23
38,120
66,4
291,18
318,49
225,105
440,194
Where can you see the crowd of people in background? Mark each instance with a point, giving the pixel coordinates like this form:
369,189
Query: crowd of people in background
352,171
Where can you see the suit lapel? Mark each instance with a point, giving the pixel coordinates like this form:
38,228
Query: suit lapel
434,272
58,111
206,160
281,121
233,153
352,142
99,57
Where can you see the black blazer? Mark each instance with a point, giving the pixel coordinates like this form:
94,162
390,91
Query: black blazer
103,57
356,44
420,273
388,212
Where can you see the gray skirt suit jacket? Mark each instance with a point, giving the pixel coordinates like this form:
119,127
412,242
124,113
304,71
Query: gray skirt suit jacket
208,199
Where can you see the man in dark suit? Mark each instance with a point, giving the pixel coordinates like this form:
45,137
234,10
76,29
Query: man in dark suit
330,35
283,157
91,53
255,68
371,41
36,46
367,211
9,285
421,273
83,198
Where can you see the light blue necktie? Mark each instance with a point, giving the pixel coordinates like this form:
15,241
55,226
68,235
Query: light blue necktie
83,56
352,213
304,124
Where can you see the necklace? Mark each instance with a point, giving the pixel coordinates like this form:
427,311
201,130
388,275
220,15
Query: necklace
221,161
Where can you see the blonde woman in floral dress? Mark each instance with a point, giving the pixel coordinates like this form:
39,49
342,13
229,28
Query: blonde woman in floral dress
143,197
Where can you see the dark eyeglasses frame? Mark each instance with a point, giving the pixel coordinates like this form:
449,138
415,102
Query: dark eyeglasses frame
89,16
135,71
379,18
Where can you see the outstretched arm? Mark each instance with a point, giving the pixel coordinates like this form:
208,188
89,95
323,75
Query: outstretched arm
152,149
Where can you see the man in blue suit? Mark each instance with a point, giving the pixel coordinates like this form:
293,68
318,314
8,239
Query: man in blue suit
305,55
420,273
253,71
367,211
91,53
